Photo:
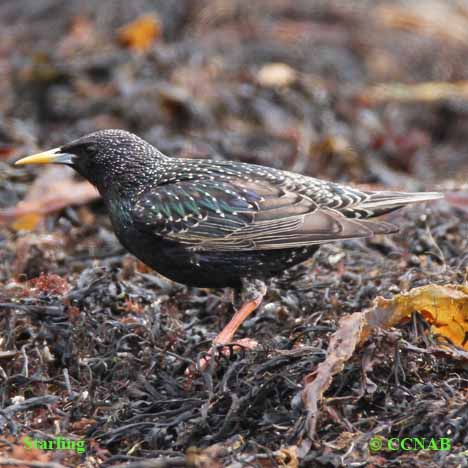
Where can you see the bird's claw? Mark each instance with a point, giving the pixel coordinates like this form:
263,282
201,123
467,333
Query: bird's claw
225,350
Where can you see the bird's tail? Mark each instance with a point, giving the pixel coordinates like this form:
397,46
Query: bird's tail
379,203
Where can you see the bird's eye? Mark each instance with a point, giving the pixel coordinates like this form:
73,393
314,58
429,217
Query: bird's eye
91,148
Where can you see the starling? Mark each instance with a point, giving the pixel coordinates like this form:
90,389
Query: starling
213,224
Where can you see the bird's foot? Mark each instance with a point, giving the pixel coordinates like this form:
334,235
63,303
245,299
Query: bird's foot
227,350
254,291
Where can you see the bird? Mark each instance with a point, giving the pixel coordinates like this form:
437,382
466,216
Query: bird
220,224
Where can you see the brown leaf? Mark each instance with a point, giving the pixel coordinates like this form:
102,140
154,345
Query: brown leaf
440,20
52,191
341,347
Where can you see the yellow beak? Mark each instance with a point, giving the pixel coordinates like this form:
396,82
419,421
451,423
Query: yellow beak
47,157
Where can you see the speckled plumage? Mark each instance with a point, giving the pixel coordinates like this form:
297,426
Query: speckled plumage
211,223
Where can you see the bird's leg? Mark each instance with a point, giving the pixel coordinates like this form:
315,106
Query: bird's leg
251,296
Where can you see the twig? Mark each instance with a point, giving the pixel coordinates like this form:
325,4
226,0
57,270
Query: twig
26,405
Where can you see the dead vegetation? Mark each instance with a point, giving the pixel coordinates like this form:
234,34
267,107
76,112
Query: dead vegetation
95,346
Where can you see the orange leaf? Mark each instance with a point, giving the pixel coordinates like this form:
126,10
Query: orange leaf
444,307
140,33
27,222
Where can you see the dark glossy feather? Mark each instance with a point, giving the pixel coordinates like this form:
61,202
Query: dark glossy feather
209,205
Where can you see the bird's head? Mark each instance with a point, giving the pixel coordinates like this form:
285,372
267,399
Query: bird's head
107,158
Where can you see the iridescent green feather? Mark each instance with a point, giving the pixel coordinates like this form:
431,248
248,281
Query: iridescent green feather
179,209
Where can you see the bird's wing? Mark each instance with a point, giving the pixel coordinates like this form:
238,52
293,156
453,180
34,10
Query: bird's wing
239,214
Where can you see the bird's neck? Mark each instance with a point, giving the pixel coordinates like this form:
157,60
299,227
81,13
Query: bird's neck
121,182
